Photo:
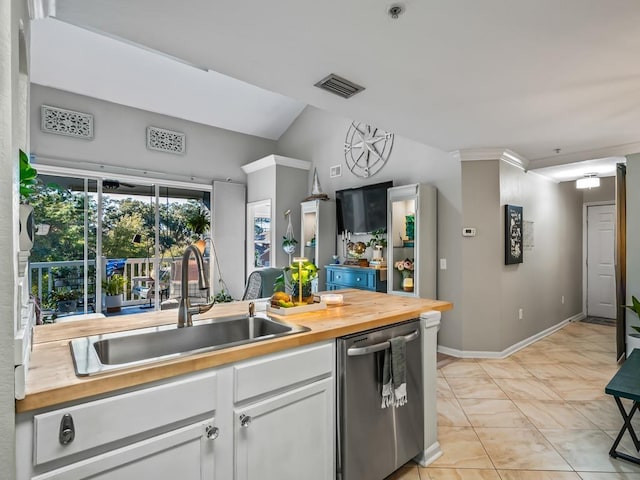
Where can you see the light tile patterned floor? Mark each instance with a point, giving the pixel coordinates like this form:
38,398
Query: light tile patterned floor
540,414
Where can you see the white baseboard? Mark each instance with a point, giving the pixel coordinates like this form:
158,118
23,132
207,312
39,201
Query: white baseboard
513,348
429,455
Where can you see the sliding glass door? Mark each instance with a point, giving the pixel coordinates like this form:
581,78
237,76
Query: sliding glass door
136,232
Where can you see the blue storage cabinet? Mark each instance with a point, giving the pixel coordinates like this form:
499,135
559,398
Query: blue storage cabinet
364,278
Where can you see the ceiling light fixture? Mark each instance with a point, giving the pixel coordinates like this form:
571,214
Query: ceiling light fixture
590,180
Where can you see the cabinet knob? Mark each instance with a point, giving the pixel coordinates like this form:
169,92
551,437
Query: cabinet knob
67,430
245,421
212,432
357,279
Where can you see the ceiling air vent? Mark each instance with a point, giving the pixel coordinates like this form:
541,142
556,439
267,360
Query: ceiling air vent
338,85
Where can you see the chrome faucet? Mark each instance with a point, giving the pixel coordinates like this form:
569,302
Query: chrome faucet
186,310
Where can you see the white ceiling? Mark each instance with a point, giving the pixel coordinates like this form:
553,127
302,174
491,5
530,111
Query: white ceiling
532,76
81,61
600,167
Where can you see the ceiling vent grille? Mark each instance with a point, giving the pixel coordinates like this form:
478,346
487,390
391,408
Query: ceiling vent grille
339,86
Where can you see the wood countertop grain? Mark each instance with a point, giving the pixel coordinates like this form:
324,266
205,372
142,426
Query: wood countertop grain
51,379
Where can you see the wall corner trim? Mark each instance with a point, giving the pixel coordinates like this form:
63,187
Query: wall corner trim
271,160
506,155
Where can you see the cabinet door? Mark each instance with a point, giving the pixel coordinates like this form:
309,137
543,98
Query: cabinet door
287,437
403,205
185,454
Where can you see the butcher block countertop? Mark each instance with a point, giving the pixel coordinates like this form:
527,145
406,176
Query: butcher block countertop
51,379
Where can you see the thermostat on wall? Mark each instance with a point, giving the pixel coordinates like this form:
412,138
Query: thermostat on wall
468,232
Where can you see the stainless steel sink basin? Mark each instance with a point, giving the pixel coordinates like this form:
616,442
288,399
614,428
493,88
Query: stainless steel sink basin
103,353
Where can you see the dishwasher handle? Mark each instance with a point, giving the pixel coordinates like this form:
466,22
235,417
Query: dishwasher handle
378,347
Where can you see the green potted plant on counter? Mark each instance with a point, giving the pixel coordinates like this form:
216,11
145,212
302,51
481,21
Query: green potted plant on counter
113,288
297,280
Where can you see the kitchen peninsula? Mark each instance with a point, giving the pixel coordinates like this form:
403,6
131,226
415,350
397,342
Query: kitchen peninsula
137,413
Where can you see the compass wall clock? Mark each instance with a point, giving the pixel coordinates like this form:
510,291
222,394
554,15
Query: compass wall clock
366,149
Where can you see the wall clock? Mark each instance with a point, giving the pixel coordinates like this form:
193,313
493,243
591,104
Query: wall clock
366,149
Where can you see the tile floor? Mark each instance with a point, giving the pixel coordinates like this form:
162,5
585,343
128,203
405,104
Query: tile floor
540,414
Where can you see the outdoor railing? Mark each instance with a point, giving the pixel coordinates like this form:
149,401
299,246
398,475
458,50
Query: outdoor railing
45,277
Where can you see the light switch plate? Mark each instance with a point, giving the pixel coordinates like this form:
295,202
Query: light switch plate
468,232
443,264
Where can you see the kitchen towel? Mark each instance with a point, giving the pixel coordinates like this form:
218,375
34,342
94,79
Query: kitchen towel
394,374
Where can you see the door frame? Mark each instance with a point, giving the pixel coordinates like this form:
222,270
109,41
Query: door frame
585,233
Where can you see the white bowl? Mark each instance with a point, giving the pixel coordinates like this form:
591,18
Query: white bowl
332,298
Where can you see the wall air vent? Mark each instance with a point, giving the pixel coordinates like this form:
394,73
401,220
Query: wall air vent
338,85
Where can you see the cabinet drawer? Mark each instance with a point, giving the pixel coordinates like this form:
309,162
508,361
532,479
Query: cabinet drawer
280,370
103,421
356,279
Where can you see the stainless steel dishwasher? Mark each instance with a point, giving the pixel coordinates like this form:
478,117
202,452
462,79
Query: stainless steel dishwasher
372,441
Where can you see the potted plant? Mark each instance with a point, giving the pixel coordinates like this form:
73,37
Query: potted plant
289,245
292,277
66,299
113,288
405,267
377,242
198,223
633,339
28,183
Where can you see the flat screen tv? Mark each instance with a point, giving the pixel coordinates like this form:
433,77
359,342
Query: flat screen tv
363,209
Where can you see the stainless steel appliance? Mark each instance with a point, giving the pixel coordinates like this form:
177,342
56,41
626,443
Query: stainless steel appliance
373,441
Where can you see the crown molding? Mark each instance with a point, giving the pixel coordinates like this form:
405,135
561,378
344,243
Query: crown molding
505,155
272,160
39,9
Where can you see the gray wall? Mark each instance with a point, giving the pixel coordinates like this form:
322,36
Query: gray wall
482,257
606,192
318,137
494,292
120,140
633,227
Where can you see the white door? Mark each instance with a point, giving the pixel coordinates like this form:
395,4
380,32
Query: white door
601,285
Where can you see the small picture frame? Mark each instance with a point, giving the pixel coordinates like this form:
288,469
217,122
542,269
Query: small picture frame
513,234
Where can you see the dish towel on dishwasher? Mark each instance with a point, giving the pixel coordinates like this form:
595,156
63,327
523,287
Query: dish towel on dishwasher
394,374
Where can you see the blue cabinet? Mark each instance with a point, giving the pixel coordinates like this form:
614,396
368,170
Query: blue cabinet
364,278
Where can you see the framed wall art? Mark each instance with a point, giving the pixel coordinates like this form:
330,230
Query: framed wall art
513,234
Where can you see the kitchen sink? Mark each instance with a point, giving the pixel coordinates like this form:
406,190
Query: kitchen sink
113,351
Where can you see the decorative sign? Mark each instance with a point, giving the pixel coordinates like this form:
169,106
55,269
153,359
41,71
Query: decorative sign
166,140
366,149
527,238
513,234
66,122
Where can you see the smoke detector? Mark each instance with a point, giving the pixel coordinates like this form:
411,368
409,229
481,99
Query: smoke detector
395,10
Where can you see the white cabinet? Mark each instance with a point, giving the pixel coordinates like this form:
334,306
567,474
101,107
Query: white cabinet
185,453
270,417
288,436
282,182
131,435
412,236
318,235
